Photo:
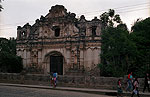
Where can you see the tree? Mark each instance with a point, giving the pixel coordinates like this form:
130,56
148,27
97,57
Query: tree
8,45
110,19
1,5
141,37
9,62
117,51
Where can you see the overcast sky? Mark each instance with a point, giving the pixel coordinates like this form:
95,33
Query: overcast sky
19,12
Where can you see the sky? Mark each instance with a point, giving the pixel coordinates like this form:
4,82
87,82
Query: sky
19,12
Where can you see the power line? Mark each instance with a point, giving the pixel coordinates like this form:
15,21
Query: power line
8,28
117,8
16,23
132,5
126,10
87,16
132,10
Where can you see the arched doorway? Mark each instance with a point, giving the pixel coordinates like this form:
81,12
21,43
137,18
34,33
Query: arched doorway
56,62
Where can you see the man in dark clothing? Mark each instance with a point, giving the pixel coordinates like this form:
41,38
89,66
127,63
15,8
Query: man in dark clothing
146,82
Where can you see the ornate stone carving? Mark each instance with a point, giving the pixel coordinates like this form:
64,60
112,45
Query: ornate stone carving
60,31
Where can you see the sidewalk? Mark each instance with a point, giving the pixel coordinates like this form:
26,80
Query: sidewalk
85,90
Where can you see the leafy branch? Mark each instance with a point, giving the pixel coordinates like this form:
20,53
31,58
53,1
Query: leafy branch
1,7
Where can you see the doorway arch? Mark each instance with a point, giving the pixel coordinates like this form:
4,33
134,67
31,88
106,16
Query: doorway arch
56,62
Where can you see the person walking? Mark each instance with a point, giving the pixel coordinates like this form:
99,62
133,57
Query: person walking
135,88
51,79
129,82
119,89
146,84
55,78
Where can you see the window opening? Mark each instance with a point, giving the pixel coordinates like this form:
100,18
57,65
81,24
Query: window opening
57,32
94,31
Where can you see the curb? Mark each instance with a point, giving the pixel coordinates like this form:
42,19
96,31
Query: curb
84,90
93,91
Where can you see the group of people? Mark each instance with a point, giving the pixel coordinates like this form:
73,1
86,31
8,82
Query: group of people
133,85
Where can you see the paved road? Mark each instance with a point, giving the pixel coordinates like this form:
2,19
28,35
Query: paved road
10,91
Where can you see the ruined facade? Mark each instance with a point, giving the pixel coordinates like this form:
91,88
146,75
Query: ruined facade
59,41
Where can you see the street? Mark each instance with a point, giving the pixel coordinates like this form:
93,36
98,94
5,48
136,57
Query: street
10,91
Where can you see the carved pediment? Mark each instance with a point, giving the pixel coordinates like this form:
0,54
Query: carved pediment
57,11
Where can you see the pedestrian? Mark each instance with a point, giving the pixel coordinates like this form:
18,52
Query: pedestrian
146,82
135,87
51,79
119,89
129,82
55,78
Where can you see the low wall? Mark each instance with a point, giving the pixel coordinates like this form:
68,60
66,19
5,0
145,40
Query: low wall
72,81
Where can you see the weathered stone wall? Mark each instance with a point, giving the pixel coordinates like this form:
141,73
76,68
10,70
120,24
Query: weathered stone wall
77,40
73,81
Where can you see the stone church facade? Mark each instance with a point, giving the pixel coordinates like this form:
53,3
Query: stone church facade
60,42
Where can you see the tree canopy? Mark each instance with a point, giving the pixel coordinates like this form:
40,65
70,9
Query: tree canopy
9,62
117,51
110,18
141,37
121,51
1,5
